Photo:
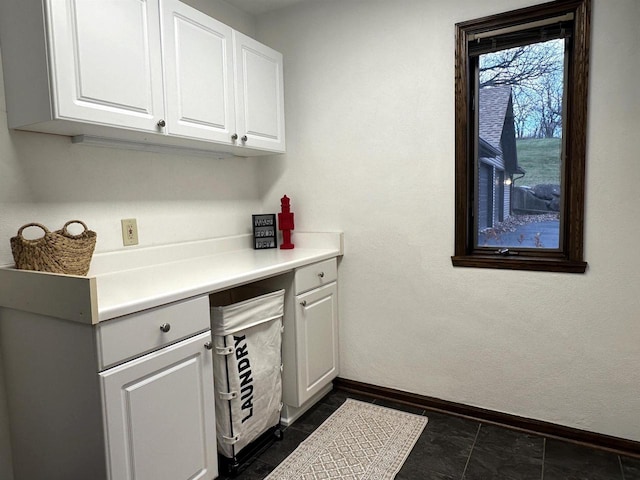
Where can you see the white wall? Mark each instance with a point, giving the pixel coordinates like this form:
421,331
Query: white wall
46,179
227,14
370,132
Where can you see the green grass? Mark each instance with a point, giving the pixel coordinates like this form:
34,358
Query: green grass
540,158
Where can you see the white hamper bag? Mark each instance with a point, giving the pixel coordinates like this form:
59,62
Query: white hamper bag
247,337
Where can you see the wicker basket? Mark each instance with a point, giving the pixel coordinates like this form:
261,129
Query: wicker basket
55,252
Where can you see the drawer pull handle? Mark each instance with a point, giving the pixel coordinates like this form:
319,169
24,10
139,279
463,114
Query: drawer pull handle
165,327
208,345
303,303
321,274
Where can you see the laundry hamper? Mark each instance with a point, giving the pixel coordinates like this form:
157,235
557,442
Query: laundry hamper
247,336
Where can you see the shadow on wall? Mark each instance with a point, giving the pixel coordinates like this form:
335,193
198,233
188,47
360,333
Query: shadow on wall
6,467
52,169
46,178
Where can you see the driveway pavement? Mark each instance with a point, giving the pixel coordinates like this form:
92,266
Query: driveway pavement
531,235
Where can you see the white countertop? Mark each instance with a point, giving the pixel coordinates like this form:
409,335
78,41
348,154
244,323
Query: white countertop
128,281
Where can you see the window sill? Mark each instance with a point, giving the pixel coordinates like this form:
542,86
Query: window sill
520,263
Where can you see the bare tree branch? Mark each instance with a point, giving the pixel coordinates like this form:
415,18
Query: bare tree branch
535,74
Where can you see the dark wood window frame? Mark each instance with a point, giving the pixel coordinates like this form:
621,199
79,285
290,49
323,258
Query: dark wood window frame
569,257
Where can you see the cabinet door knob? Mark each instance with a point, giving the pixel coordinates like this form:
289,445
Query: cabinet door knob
165,327
244,138
321,274
162,123
303,303
234,137
208,345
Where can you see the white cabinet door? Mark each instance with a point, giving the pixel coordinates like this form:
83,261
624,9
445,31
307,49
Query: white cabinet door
106,62
198,63
316,321
160,414
259,94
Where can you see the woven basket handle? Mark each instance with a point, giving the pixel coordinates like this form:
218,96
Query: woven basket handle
66,233
46,230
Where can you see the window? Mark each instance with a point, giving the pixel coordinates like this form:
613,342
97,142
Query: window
521,108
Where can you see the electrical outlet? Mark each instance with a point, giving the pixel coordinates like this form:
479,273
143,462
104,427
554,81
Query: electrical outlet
129,231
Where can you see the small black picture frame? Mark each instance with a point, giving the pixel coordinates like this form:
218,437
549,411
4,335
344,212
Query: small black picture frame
264,231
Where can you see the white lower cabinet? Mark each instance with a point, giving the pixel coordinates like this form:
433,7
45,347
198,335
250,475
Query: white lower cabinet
130,398
310,355
110,376
316,334
159,414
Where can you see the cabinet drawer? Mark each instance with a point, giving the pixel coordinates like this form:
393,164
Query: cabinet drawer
139,333
316,275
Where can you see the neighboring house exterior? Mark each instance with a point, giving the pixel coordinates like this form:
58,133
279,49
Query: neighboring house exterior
497,157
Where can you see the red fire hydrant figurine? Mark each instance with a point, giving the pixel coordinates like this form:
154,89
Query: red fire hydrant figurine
285,222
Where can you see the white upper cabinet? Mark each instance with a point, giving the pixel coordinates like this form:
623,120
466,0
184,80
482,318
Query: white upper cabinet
152,71
115,78
198,63
259,94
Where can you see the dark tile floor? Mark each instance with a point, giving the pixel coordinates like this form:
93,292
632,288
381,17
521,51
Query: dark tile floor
455,448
